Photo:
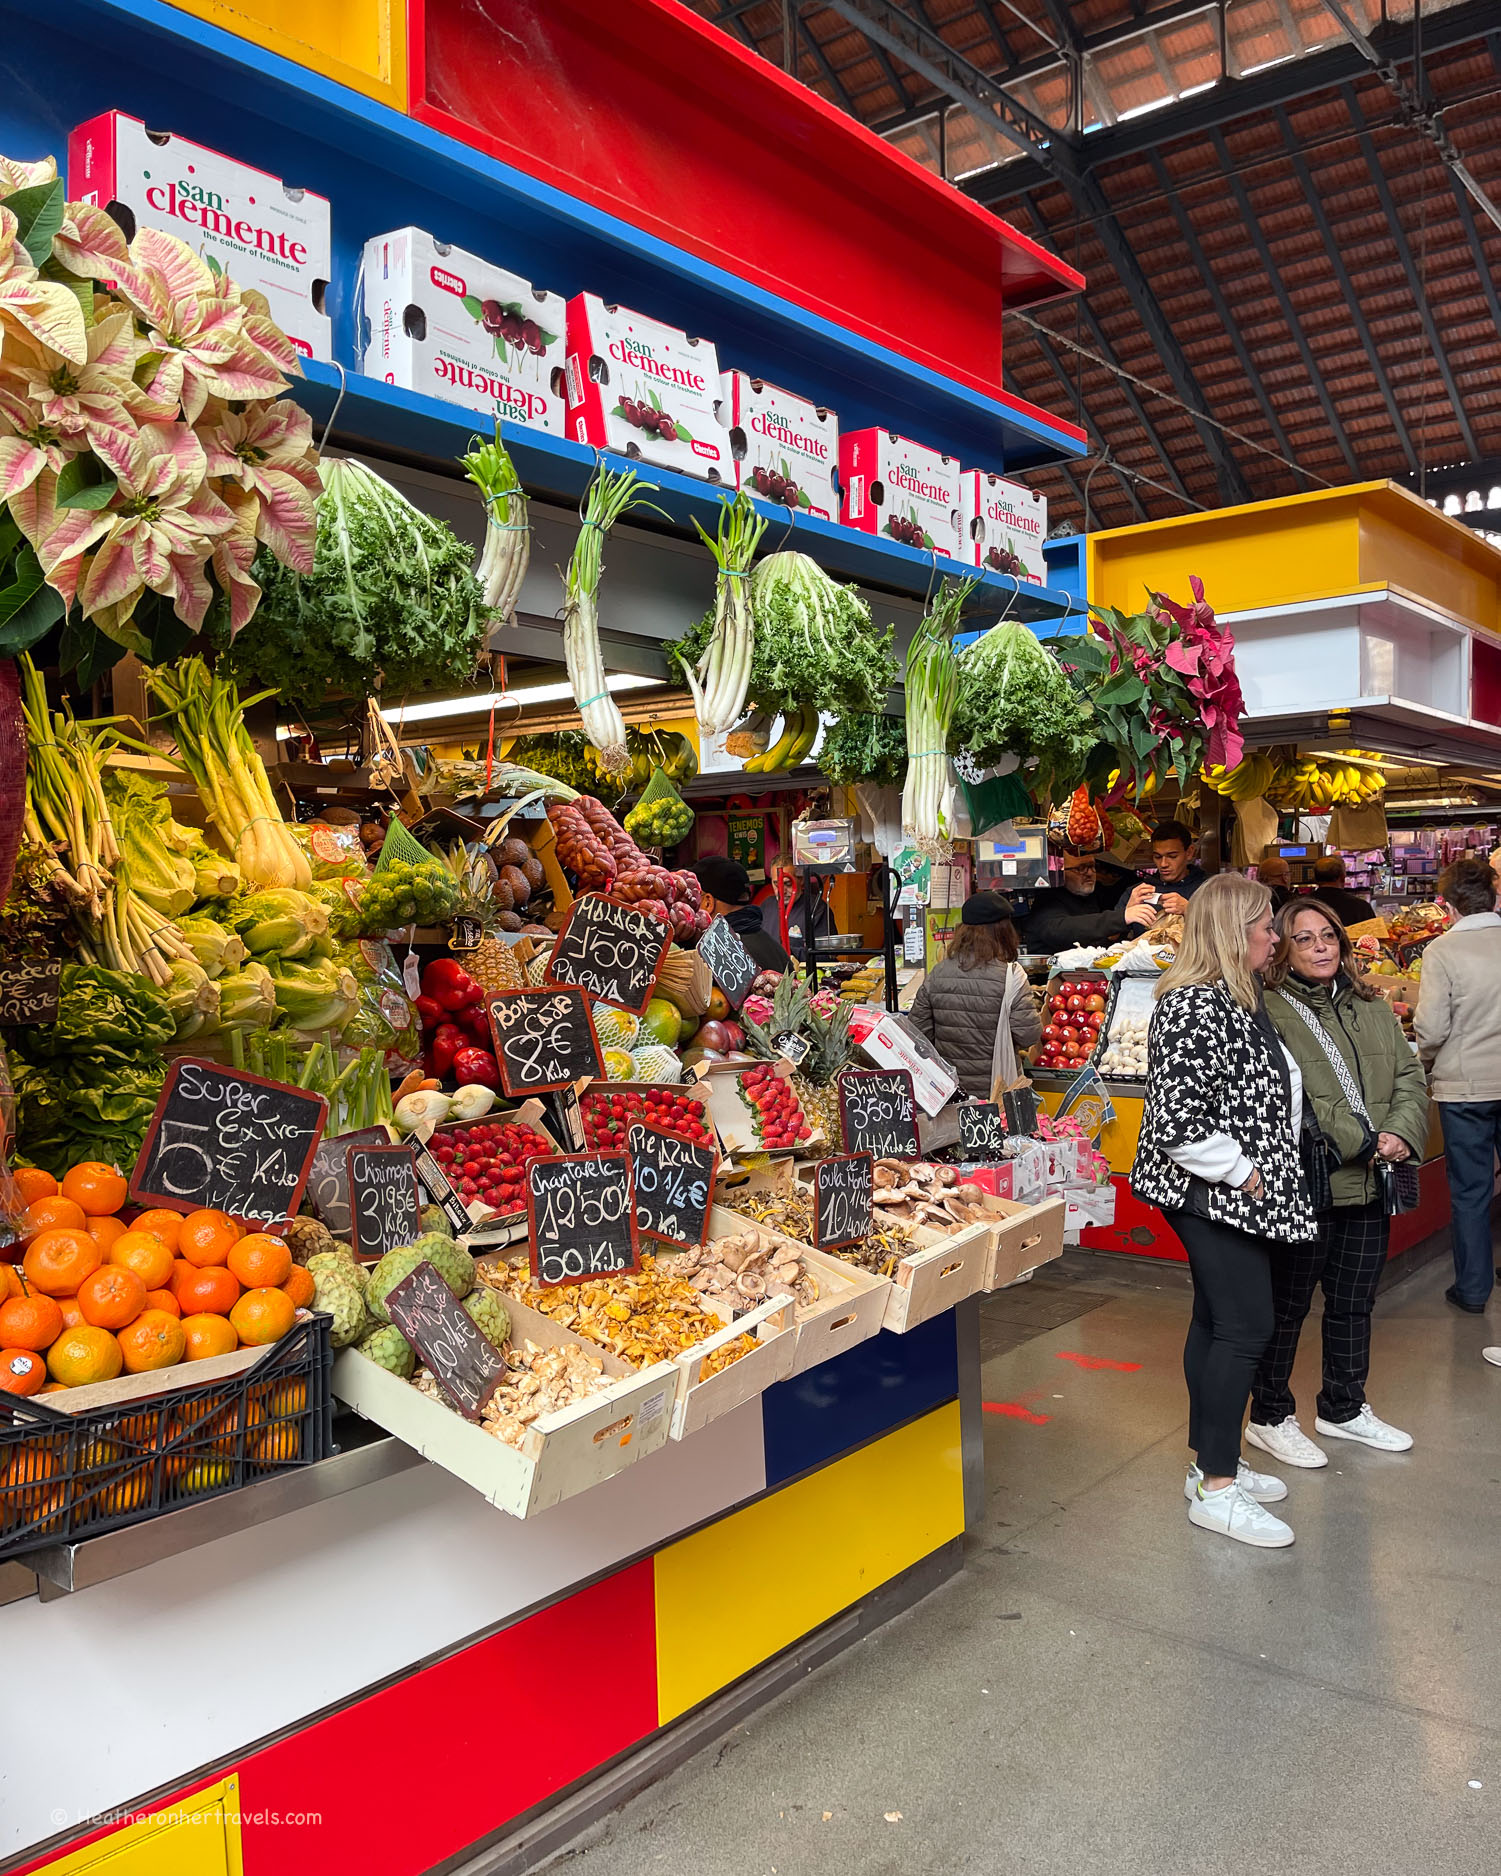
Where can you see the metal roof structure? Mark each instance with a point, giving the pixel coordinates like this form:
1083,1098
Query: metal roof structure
1293,269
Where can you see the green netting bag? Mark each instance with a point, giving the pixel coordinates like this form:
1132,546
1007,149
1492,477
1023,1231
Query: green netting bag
401,847
1001,798
661,817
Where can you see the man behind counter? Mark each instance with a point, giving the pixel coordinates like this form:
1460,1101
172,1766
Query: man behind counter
1178,877
1083,912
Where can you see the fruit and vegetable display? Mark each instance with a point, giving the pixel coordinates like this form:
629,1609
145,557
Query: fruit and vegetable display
645,1316
1126,1047
487,1160
1073,1016
920,1192
609,1112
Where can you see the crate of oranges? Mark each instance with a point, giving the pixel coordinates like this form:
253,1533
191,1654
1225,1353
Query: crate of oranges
145,1362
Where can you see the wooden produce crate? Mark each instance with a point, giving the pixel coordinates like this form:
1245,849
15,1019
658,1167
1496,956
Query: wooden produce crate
851,1302
701,1398
1021,1238
562,1454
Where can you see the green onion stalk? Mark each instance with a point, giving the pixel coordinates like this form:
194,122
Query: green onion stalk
932,692
722,679
507,550
207,716
609,495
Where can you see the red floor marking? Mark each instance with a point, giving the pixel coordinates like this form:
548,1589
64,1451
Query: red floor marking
1093,1362
1014,1410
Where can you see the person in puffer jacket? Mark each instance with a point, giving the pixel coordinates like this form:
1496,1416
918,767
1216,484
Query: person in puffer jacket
959,1005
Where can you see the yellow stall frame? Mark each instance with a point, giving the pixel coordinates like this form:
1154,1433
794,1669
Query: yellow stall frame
359,43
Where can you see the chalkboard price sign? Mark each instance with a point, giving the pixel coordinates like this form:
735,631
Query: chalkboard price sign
465,1364
544,1039
730,965
879,1112
674,1185
842,1188
228,1140
29,991
982,1130
613,950
582,1216
385,1206
327,1193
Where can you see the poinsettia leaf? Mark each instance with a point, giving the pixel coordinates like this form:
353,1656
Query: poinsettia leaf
85,651
39,212
84,483
29,608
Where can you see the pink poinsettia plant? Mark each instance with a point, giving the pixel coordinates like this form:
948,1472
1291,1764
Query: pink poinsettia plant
147,451
1204,655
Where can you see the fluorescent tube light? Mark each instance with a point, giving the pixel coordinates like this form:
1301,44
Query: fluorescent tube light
477,703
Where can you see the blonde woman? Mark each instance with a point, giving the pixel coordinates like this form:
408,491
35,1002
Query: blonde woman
1218,1154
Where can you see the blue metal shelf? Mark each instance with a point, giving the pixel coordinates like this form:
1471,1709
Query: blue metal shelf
381,170
382,420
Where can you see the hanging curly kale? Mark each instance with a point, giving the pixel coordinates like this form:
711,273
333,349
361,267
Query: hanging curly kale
1016,699
865,748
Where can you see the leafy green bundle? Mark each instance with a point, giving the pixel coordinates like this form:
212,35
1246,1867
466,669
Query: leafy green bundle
392,596
865,748
1016,699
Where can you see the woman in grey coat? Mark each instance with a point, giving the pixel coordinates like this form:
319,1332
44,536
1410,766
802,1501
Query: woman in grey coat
959,1005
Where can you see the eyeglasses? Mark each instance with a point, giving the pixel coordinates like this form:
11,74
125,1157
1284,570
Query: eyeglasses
1304,939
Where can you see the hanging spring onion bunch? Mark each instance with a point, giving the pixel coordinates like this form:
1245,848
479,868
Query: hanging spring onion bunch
608,497
508,531
720,683
932,691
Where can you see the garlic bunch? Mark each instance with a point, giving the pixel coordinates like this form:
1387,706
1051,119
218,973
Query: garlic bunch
1126,1047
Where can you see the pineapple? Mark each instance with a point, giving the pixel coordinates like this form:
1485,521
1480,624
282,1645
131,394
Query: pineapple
494,963
792,1012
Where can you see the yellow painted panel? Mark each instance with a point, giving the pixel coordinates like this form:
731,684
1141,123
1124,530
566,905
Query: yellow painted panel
1118,1140
1405,543
360,43
196,1836
734,1594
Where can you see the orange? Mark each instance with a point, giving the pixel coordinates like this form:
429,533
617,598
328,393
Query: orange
32,1184
153,1340
50,1214
205,1237
72,1315
164,1299
143,1253
208,1335
279,1398
283,1442
262,1316
104,1231
58,1261
84,1354
53,1387
22,1371
127,1490
180,1269
261,1261
213,1291
10,1282
96,1188
161,1224
299,1286
206,1474
111,1297
30,1322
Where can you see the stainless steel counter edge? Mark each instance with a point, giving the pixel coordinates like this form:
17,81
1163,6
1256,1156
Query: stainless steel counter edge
67,1567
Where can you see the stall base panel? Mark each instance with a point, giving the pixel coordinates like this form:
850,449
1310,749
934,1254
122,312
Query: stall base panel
799,1556
194,1836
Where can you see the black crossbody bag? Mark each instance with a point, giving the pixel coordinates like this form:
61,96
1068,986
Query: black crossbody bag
1396,1180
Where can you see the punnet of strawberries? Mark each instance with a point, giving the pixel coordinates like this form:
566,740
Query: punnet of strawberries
609,1112
487,1160
780,1119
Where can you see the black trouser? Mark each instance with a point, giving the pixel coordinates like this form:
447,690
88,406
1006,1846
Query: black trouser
1232,1324
1348,1258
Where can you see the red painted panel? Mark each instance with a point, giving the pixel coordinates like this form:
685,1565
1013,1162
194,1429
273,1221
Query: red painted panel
647,112
1485,680
462,1759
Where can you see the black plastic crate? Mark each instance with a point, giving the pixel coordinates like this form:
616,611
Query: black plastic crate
64,1477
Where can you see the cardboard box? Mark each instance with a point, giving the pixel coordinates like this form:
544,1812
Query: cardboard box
433,318
261,231
645,390
778,439
562,1454
891,1042
1006,524
891,485
734,1121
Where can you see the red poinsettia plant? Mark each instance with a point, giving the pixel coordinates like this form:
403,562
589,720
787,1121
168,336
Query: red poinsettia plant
1204,654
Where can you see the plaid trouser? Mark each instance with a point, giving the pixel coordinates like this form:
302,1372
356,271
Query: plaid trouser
1348,1257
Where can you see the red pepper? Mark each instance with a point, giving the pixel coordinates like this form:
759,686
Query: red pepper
448,1041
442,974
430,1010
471,1065
475,1020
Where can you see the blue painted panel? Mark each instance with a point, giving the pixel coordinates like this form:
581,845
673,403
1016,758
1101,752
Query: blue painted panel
380,170
814,1417
1065,558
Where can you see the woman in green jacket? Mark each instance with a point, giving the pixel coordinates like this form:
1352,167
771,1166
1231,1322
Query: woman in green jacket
1320,1003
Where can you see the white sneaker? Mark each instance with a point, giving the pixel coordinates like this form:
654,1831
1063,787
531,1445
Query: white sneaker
1288,1442
1261,1486
1370,1431
1492,1355
1233,1514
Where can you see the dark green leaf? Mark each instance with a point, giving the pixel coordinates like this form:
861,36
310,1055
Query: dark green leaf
85,650
29,619
472,306
85,483
500,348
39,211
26,579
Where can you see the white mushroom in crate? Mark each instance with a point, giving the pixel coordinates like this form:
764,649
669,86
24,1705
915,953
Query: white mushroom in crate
918,1192
745,1269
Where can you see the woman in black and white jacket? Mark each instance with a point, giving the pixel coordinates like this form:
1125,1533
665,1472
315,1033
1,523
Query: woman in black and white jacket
1218,1153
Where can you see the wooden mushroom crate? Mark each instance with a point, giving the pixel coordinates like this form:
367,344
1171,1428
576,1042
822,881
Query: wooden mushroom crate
1021,1238
561,1453
704,1397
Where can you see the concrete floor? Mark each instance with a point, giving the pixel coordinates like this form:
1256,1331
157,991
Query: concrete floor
1106,1689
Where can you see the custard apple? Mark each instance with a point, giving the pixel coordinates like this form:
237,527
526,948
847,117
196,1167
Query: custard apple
336,1294
434,1218
388,1348
656,1063
387,1274
491,1317
453,1264
340,1259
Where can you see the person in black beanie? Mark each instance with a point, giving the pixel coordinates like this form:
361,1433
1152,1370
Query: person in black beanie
726,886
976,1007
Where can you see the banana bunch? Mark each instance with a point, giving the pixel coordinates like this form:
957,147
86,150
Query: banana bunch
1250,778
799,733
1311,785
